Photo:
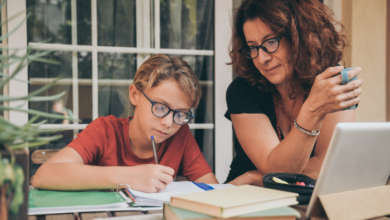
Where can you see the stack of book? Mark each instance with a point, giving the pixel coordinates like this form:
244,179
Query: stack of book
236,203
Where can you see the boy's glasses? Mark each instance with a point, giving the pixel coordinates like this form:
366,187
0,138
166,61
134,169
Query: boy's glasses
269,46
161,110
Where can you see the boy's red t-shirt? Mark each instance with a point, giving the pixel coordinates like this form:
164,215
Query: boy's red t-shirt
105,142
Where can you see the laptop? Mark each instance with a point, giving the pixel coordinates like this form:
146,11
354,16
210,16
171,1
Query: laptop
358,157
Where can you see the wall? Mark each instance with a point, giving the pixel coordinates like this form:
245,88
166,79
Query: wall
365,27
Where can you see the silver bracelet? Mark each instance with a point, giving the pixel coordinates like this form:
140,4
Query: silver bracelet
308,132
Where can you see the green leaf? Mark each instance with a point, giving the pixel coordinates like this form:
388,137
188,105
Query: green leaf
17,27
16,71
35,112
15,136
35,144
32,98
45,61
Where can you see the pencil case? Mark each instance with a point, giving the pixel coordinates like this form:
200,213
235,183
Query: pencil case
291,178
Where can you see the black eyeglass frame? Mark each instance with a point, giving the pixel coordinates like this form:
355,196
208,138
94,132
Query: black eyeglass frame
262,47
170,110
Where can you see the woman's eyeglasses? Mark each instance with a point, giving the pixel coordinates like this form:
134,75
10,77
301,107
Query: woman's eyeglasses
161,110
269,46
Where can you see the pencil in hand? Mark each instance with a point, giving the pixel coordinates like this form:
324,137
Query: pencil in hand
154,150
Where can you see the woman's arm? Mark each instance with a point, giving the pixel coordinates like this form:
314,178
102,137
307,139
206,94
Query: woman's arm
253,177
314,164
66,171
260,142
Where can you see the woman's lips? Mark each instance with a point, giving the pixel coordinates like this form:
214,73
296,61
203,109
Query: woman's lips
271,70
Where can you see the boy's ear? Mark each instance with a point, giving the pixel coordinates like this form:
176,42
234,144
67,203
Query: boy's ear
134,95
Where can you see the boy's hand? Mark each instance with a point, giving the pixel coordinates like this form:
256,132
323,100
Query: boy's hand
149,178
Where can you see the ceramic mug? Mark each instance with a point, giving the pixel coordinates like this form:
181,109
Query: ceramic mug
345,79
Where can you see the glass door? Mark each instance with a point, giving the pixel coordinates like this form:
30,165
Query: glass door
101,43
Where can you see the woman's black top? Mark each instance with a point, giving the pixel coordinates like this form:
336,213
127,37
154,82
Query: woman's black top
243,98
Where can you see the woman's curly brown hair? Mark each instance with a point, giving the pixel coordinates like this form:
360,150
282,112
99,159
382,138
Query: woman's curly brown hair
307,24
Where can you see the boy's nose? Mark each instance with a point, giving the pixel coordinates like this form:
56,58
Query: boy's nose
167,120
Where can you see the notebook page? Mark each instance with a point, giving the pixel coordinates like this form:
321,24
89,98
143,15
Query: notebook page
176,188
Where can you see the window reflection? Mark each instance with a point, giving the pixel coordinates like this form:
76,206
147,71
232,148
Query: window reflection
116,66
187,24
1,93
57,107
1,89
1,29
116,73
51,20
203,67
41,74
113,101
205,142
116,23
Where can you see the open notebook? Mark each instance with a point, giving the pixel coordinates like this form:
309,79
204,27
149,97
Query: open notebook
173,189
49,202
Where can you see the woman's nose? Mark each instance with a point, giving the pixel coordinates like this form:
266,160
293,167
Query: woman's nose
263,57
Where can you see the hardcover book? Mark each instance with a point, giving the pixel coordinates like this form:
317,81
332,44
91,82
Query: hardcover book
230,202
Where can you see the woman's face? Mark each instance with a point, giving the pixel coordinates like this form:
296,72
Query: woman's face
273,66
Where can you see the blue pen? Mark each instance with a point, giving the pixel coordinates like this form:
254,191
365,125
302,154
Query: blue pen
154,151
203,186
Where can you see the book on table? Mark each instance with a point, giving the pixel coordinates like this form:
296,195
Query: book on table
281,213
53,201
42,202
235,201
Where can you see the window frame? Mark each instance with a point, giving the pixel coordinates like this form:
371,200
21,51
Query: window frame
223,136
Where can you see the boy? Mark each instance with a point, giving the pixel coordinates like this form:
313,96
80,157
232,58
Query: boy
111,150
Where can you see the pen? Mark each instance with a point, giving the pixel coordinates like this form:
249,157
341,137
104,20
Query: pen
154,150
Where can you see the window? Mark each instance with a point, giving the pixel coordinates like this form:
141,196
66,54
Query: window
101,43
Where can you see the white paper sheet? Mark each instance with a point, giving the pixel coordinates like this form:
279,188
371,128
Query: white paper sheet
177,188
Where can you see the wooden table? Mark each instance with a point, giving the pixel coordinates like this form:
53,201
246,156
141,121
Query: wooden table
88,216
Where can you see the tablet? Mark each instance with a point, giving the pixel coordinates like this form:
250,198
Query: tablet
358,157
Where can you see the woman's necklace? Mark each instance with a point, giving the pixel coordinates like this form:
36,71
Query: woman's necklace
277,115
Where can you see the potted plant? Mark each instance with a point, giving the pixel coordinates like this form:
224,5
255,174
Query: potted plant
14,139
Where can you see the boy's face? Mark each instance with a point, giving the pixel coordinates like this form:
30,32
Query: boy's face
167,92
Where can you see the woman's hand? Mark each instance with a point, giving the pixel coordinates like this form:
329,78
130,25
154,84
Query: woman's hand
328,95
253,177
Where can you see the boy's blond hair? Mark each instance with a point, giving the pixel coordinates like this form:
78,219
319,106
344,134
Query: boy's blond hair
159,67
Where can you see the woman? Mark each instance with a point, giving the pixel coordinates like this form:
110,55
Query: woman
287,98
